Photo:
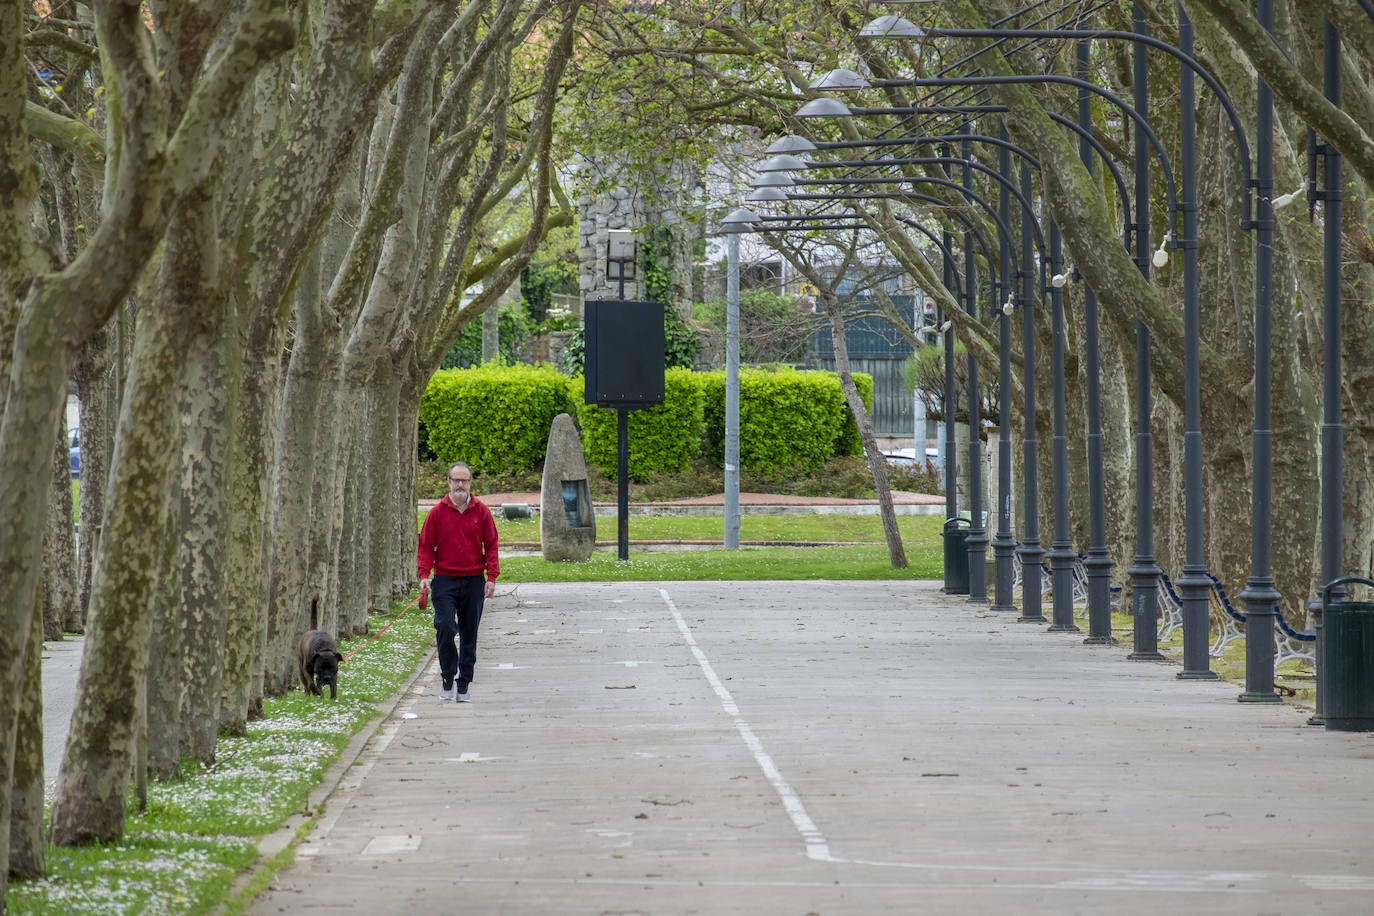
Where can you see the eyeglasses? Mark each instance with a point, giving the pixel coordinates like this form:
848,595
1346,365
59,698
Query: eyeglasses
461,479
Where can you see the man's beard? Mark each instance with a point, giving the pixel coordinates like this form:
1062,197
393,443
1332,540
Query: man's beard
459,498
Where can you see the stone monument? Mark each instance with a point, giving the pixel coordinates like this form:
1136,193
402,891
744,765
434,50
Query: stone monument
567,524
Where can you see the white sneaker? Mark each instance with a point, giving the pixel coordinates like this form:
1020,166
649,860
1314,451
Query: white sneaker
464,698
446,693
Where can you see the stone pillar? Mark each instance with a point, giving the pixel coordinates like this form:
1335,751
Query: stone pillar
567,524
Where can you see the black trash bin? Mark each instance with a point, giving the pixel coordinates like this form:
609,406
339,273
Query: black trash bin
956,556
1347,670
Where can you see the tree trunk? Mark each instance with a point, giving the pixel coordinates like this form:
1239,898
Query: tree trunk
203,612
161,718
59,544
293,481
111,692
359,512
876,463
26,855
94,395
387,490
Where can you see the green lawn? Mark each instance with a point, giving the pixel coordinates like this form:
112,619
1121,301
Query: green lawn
843,528
856,549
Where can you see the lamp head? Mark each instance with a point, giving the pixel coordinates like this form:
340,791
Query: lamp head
791,143
839,81
773,179
824,108
1284,200
1161,255
891,27
759,194
620,244
783,162
739,220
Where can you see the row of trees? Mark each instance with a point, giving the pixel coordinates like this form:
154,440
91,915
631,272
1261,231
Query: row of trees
250,231
749,65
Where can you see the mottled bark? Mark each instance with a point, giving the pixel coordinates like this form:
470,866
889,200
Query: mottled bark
59,562
139,536
202,562
160,717
292,485
246,494
26,854
387,489
94,395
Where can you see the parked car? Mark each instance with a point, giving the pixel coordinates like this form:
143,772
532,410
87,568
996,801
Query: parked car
74,451
906,457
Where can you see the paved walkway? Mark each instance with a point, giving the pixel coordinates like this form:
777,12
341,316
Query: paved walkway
827,748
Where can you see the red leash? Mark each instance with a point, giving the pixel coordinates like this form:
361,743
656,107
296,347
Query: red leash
388,626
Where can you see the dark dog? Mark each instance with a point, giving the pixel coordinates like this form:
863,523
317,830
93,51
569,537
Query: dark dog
318,658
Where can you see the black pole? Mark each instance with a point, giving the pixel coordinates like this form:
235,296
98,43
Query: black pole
1144,572
1004,544
1333,432
1259,593
977,533
1098,562
622,480
1061,554
1194,582
951,401
1030,551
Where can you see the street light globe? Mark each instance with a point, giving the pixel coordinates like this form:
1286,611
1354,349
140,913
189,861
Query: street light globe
891,27
839,80
824,107
790,143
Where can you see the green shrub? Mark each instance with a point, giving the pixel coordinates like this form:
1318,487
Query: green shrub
662,439
849,442
494,417
514,328
787,418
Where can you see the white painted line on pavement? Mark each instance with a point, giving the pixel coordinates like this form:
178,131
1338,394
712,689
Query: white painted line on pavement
816,847
1073,875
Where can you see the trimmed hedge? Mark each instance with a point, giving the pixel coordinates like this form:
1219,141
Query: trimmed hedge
497,417
787,417
662,439
850,443
494,417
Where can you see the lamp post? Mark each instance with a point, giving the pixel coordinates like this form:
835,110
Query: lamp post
1061,554
735,223
1333,433
1144,572
1194,583
1098,563
1259,593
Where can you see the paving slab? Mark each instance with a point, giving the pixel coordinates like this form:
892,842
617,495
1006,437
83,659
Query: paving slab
829,748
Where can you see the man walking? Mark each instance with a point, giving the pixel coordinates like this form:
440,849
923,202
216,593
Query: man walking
458,544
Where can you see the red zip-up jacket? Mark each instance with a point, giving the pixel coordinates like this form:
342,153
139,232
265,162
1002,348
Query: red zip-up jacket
454,543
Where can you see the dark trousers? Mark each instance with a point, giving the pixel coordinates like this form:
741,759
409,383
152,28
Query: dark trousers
457,604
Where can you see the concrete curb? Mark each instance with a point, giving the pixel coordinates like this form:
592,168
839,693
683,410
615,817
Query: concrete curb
316,812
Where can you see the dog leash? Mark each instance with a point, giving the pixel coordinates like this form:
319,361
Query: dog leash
383,629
